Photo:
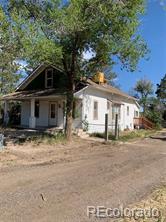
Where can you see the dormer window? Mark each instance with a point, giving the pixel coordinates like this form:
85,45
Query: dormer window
49,78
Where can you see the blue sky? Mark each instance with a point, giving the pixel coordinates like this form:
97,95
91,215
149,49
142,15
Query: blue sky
153,30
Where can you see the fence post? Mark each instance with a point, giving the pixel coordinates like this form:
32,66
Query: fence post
106,127
116,127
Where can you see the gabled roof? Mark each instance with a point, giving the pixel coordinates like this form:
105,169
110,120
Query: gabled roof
34,74
81,86
109,89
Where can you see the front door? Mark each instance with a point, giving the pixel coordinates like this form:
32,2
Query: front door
53,114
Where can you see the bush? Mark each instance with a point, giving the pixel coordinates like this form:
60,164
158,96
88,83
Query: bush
155,117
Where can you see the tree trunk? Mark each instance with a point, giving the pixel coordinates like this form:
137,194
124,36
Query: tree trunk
69,114
71,89
69,109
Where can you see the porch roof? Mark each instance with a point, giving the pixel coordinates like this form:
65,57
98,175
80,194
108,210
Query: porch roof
23,95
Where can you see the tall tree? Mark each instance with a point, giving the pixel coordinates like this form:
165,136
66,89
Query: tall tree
8,51
144,88
161,90
60,32
161,95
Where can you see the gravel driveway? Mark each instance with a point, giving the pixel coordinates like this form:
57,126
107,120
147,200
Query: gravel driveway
61,191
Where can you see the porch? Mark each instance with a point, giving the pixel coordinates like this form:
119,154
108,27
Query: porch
39,109
42,109
41,113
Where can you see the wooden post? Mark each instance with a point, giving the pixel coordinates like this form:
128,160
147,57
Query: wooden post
32,119
116,127
106,127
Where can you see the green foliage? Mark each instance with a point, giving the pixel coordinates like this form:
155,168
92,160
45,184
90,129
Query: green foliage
161,95
53,32
161,90
85,125
155,117
144,88
8,51
154,111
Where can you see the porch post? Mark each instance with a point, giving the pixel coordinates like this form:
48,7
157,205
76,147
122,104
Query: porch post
32,119
6,114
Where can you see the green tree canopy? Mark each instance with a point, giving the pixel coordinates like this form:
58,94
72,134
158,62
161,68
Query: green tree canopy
60,33
8,65
161,90
144,88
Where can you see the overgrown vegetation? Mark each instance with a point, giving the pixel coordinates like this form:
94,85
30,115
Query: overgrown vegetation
157,200
125,136
153,108
44,138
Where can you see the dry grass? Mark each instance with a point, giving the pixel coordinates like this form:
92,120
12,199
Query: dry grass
157,200
127,135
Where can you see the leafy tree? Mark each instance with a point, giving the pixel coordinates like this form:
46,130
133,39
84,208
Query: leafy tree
60,32
161,95
8,65
154,111
161,90
144,88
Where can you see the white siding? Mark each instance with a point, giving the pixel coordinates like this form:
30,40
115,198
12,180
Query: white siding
90,95
25,113
128,120
42,121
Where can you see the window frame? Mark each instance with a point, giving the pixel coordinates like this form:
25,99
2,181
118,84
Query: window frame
128,110
136,113
116,109
50,78
95,110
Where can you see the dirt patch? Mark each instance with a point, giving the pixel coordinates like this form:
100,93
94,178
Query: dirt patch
32,153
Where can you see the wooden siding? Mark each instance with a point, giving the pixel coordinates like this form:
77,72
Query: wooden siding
59,81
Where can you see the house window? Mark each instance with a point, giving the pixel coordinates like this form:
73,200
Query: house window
95,110
116,109
49,78
128,110
136,113
37,105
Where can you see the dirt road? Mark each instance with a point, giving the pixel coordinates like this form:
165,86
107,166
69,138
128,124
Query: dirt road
60,191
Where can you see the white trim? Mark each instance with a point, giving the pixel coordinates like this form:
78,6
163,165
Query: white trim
137,104
113,93
75,94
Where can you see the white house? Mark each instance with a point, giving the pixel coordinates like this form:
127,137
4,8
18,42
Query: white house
43,97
